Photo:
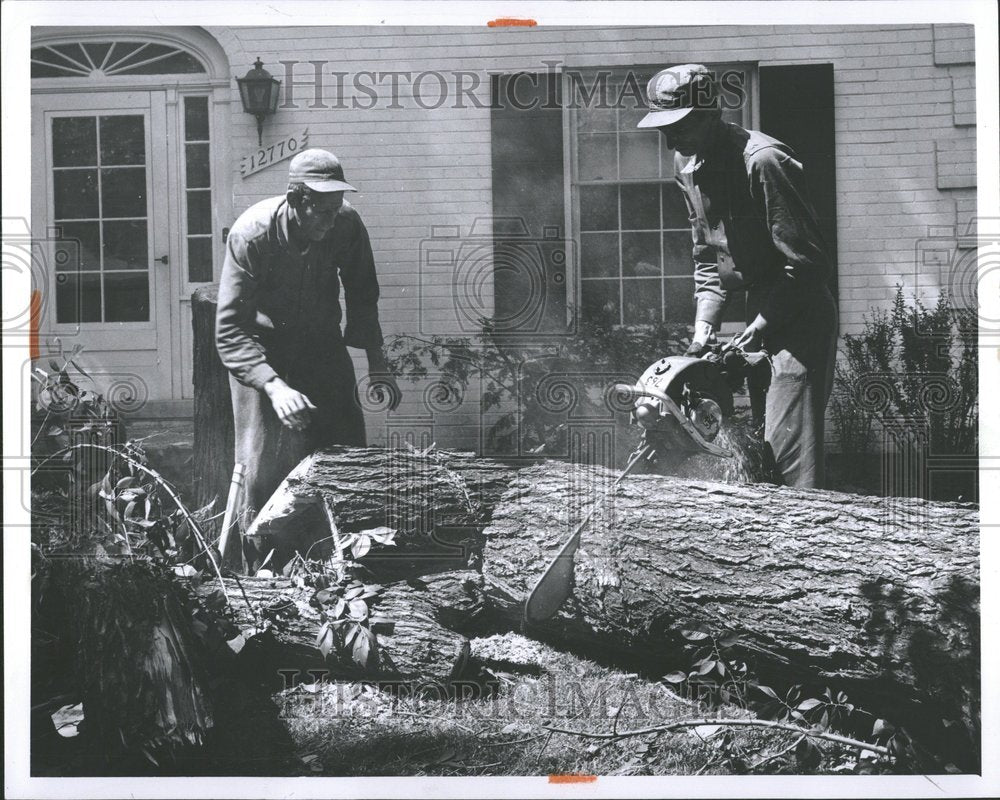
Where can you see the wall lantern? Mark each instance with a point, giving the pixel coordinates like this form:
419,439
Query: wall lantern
259,94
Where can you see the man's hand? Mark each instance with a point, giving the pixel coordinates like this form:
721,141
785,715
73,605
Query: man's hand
704,337
752,338
292,407
383,386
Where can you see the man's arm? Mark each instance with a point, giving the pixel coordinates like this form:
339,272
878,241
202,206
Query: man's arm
362,329
235,322
778,183
709,296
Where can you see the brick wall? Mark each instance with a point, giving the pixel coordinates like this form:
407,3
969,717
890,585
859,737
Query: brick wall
905,142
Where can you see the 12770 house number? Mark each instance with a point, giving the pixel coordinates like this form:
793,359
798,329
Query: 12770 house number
270,154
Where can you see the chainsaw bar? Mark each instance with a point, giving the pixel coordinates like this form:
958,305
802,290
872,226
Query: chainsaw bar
556,583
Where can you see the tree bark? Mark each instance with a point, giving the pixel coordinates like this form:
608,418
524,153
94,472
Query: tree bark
213,410
879,596
422,647
438,503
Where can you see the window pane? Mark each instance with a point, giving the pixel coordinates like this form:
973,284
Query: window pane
597,115
597,157
97,51
125,245
78,247
198,175
177,63
196,119
678,300
640,155
599,301
675,211
641,255
641,301
123,192
127,297
598,208
78,297
641,207
75,193
74,142
199,212
200,260
123,140
73,54
677,258
599,255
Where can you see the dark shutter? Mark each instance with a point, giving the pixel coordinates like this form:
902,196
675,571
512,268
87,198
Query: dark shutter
529,244
796,107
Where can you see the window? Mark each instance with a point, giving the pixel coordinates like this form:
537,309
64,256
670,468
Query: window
631,220
198,190
108,59
100,208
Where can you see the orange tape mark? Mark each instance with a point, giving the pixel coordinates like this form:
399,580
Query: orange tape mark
34,312
571,778
511,22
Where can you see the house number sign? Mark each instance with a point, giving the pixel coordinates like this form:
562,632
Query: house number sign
269,154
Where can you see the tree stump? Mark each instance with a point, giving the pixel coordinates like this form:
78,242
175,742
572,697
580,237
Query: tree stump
214,436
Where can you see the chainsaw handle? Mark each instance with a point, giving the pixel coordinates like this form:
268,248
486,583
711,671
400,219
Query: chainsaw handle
639,391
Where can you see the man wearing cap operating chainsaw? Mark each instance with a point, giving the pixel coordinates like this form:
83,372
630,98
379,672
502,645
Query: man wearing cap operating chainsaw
278,328
754,229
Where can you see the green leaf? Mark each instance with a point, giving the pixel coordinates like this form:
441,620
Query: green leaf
675,677
339,608
704,666
124,483
882,728
359,609
811,703
694,636
326,641
352,592
361,547
729,640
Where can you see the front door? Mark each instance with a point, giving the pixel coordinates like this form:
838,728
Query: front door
102,198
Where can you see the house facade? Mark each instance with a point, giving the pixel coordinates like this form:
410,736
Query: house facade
499,171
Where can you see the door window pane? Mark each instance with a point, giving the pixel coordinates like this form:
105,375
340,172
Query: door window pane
123,140
599,255
75,194
74,142
199,214
78,297
126,295
78,247
678,299
598,208
640,206
123,192
199,259
196,119
125,245
198,173
675,211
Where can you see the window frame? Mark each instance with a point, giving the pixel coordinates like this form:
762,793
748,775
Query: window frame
572,182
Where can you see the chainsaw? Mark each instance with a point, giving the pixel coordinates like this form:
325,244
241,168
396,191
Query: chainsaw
680,403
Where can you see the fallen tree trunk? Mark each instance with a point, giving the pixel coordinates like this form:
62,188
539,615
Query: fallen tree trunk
879,596
437,502
420,648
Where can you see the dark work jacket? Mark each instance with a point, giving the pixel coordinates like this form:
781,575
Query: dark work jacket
279,308
752,224
279,314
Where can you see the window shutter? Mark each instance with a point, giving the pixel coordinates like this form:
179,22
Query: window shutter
797,107
529,237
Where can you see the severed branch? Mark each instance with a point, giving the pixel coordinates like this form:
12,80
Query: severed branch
743,723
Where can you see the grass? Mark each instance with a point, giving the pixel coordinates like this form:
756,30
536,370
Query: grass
344,730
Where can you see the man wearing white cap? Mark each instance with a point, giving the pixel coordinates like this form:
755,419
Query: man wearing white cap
278,324
754,229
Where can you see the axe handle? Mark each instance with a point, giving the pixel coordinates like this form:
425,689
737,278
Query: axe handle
235,487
